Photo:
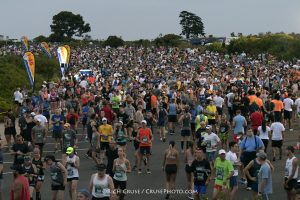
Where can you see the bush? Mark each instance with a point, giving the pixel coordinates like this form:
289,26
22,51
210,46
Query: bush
114,42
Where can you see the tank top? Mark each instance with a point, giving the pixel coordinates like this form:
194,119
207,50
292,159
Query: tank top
255,169
144,137
72,171
120,174
25,194
186,122
57,177
172,109
100,187
120,135
94,140
39,162
29,172
161,115
289,168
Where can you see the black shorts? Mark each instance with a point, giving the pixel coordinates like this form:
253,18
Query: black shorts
287,114
185,133
171,169
220,111
292,184
211,121
277,143
136,145
10,131
188,169
172,118
193,127
145,150
84,121
120,184
130,124
57,187
104,145
72,179
56,134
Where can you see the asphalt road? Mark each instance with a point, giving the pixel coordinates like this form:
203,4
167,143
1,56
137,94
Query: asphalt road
149,186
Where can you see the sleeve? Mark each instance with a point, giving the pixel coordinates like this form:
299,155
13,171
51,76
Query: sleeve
265,173
242,145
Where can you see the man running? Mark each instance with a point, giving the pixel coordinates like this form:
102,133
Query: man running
291,173
39,135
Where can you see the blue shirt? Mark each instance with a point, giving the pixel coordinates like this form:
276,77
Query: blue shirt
239,121
172,109
250,144
265,173
57,118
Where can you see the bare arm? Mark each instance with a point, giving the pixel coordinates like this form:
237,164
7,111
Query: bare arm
77,162
247,168
17,191
294,168
64,172
128,166
91,184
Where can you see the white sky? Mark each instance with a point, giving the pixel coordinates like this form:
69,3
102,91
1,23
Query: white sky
137,19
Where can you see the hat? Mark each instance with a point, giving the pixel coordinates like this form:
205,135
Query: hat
104,119
222,151
101,167
70,150
261,155
85,193
18,168
33,114
291,148
144,121
67,124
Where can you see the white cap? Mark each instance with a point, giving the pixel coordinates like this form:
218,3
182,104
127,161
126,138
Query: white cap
33,114
144,121
104,119
222,151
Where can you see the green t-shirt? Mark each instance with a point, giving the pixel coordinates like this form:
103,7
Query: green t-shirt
223,170
115,102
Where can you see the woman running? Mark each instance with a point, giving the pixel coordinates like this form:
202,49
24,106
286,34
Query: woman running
40,166
188,159
264,133
186,127
161,116
170,166
120,168
224,130
95,144
30,173
121,135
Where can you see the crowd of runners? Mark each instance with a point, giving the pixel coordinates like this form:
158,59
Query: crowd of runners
228,109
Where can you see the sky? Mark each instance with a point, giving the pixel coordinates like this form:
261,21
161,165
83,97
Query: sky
146,19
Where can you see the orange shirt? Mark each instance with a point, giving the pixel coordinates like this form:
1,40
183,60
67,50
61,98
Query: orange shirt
145,137
278,105
259,102
252,98
153,101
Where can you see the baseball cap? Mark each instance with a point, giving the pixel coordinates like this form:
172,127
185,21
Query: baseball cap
261,155
104,119
291,148
144,121
222,151
70,150
85,193
33,114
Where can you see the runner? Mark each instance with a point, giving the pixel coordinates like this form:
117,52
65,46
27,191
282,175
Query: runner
58,175
161,116
121,167
170,166
69,139
111,155
106,132
19,150
188,159
201,173
39,135
101,185
265,187
10,129
185,119
211,142
40,166
121,135
277,129
172,117
224,128
291,174
30,173
57,121
145,138
211,112
264,133
72,165
20,186
95,144
288,111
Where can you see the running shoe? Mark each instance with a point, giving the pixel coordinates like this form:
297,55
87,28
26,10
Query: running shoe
148,171
140,171
190,197
164,139
243,181
134,168
249,188
145,160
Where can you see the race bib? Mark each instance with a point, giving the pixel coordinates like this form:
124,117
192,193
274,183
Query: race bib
220,174
98,190
286,172
145,139
200,177
70,172
104,137
118,174
222,129
208,144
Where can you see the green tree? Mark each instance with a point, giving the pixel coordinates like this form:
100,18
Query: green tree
169,40
114,41
65,25
232,34
40,39
191,24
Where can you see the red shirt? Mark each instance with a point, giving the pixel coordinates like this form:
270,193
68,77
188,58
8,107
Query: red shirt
108,113
145,137
25,195
256,119
71,121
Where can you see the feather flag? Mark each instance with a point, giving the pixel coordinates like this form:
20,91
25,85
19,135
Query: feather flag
69,53
62,55
24,41
46,49
29,62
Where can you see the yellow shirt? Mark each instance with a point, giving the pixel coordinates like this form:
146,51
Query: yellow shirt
105,131
211,109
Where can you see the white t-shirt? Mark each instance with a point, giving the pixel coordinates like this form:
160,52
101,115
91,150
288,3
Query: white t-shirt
297,103
211,141
277,128
18,96
218,101
43,119
262,134
229,99
83,84
288,103
232,157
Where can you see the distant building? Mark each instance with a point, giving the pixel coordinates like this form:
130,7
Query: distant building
1,37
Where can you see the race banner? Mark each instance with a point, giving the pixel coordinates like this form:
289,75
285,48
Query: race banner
46,49
24,41
62,55
69,53
29,62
